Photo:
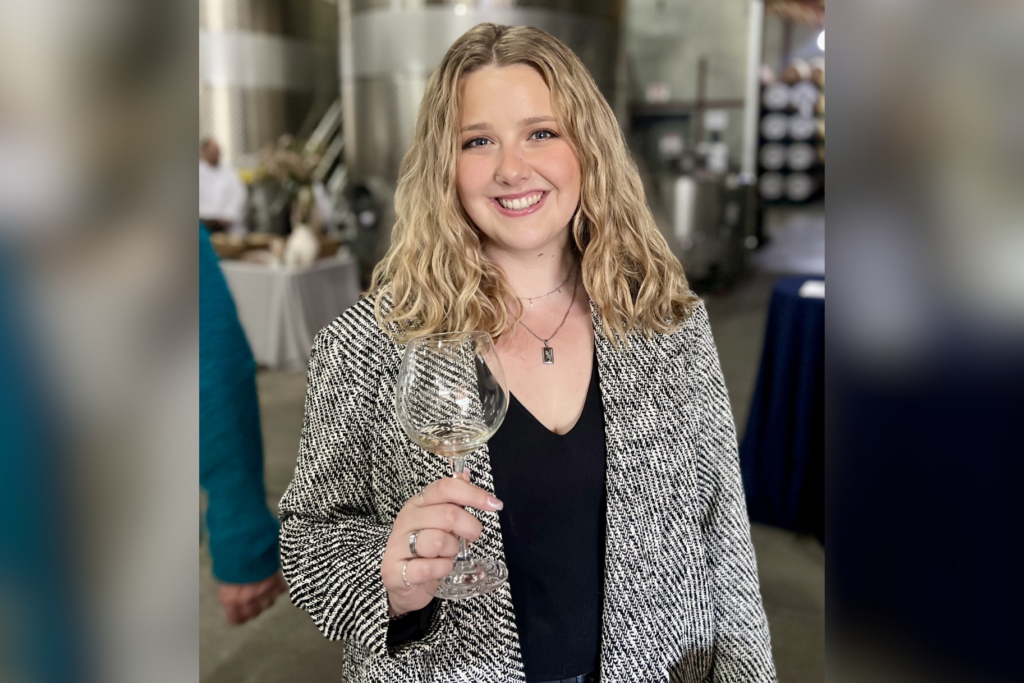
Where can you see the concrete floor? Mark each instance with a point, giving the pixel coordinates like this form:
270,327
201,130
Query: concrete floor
284,645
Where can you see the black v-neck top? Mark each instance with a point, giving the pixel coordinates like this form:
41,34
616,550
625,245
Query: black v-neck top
552,527
553,531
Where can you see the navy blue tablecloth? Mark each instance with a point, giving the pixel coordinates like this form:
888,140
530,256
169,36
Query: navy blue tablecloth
782,457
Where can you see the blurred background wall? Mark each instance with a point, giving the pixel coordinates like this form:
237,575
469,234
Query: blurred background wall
666,41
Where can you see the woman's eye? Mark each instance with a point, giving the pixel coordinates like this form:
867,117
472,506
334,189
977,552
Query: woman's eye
475,142
544,135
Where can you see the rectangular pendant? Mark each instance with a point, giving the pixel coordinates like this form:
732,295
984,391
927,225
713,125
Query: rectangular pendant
549,355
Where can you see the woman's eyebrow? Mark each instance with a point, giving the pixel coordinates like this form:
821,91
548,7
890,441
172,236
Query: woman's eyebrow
525,122
536,119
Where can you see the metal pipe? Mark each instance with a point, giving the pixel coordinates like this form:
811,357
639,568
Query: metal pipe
698,113
347,71
755,36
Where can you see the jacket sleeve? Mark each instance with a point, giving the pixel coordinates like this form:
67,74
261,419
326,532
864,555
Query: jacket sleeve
332,539
742,651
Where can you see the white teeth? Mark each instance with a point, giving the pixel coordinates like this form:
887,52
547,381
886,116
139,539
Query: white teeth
522,202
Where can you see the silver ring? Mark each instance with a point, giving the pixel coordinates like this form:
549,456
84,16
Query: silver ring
404,567
413,537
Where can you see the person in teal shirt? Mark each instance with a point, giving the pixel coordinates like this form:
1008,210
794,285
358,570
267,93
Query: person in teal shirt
242,530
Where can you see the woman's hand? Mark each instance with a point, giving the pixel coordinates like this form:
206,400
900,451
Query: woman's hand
439,516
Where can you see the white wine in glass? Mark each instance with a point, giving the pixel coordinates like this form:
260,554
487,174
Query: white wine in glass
451,398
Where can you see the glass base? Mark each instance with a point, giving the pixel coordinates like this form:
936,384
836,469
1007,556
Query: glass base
478,576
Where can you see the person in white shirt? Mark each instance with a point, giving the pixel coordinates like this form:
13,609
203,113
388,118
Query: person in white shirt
222,194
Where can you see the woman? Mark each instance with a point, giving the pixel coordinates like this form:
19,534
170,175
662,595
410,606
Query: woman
612,490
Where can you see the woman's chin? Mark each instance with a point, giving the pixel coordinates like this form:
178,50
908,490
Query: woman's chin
528,245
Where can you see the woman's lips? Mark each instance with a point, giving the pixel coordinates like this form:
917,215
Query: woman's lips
513,213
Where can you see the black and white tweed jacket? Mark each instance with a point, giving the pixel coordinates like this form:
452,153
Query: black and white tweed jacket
681,596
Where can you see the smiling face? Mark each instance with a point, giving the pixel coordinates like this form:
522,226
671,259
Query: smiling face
518,178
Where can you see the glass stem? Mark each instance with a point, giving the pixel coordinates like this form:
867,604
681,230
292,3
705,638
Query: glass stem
463,561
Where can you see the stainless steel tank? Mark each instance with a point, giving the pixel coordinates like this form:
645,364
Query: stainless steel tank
707,212
266,67
390,47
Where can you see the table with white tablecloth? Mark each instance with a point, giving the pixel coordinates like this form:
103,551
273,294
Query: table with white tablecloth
281,309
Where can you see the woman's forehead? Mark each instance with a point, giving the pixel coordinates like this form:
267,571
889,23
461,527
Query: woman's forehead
503,93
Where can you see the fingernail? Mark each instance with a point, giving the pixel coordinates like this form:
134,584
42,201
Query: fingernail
494,503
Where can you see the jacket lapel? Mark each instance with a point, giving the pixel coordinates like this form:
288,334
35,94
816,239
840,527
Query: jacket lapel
635,487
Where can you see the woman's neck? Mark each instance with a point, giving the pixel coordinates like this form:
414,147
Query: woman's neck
534,274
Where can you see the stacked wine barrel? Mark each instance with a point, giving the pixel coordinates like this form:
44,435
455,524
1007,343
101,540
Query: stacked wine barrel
791,156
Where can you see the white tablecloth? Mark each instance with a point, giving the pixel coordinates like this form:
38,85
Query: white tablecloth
282,309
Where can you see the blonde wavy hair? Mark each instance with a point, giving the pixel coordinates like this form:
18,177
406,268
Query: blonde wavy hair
436,277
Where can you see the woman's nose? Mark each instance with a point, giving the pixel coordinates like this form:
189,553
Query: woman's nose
512,168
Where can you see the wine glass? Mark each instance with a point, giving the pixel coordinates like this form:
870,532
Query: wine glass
451,398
